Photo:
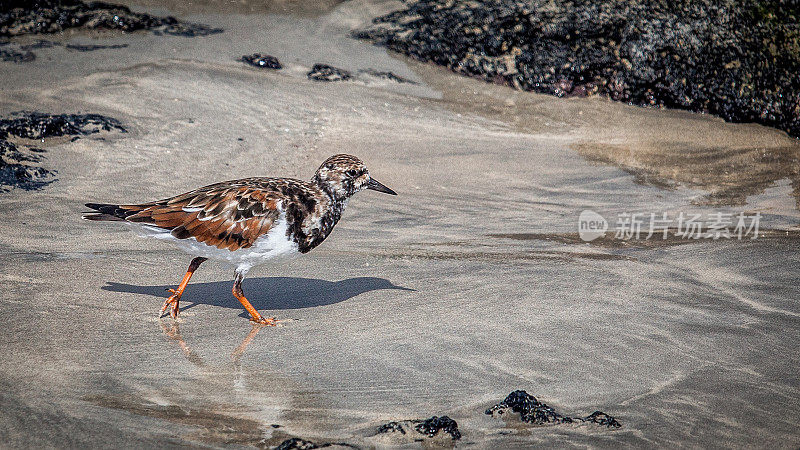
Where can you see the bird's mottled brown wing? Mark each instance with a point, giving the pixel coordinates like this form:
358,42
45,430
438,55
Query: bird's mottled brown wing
225,215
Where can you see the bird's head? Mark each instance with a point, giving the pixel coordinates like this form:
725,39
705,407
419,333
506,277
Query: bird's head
344,175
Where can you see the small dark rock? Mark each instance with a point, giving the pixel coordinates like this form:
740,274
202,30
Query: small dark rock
323,72
602,418
533,411
262,61
529,408
430,427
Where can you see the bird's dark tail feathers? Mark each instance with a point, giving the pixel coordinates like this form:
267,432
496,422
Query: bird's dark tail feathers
107,212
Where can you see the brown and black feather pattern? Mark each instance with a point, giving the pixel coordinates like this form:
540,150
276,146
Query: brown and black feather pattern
233,214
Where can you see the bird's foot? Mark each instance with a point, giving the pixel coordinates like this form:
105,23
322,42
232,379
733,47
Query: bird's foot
173,300
268,321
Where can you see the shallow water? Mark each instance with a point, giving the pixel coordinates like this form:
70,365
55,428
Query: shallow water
469,284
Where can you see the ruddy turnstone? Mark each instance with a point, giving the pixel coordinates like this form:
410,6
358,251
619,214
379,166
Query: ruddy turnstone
248,222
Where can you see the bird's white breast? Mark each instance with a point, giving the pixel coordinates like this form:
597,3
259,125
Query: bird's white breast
274,244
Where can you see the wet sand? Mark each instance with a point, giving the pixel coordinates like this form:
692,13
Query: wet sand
468,285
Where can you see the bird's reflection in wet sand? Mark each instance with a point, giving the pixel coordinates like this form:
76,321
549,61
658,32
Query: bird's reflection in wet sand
233,407
264,395
237,353
173,332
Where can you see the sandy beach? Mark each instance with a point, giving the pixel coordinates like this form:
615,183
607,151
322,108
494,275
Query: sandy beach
468,285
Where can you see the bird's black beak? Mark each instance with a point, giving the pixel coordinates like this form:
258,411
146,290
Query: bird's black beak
375,186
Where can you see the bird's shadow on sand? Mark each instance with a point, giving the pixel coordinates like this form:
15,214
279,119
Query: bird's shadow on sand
266,293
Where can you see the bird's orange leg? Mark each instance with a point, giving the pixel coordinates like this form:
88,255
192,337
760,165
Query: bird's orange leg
255,316
175,298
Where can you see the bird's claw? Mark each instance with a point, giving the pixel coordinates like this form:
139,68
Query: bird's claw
171,300
267,321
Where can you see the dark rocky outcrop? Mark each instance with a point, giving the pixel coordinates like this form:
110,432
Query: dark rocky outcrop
19,162
37,125
20,17
738,59
533,411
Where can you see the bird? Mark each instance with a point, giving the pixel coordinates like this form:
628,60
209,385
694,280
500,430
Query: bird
247,222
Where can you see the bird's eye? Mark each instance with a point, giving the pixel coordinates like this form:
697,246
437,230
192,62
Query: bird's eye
352,173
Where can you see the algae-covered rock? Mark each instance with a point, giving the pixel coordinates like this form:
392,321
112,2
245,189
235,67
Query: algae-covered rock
739,59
